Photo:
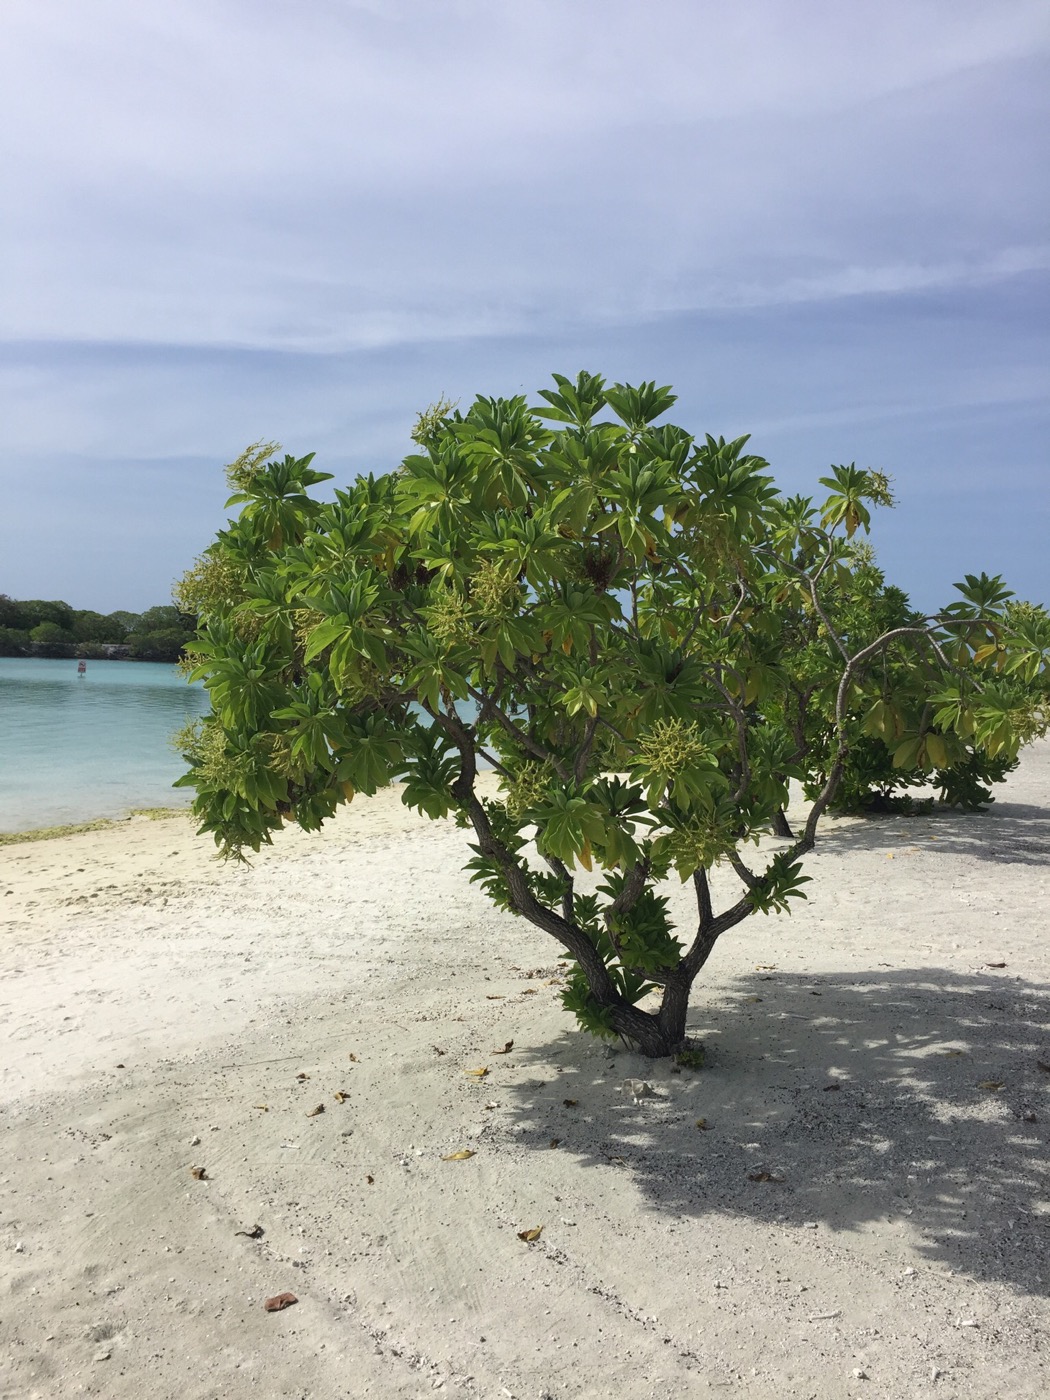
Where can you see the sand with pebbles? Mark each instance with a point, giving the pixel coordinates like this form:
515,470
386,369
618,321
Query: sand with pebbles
864,1212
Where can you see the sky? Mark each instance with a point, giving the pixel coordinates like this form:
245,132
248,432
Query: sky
824,224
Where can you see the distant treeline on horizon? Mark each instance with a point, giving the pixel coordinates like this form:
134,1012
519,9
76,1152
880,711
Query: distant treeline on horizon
34,627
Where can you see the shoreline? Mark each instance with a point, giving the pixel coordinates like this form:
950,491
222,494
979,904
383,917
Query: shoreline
55,833
857,1200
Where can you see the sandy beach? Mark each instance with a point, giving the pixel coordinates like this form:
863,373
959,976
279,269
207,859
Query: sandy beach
222,1084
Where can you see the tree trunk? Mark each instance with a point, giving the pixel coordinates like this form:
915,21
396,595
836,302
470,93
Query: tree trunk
781,826
659,1034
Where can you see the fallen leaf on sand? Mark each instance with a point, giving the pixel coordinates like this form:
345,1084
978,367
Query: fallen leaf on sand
952,1054
459,1156
506,1049
529,992
765,967
752,999
437,1050
763,1176
371,1180
279,1302
341,1096
992,1086
832,1088
530,1236
352,1057
554,1142
995,964
198,1174
302,1076
570,1103
1043,1066
494,996
255,1233
315,1111
477,1073
263,1107
703,1125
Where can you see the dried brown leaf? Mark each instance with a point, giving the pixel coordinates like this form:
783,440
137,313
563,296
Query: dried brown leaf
992,1086
255,1233
341,1096
506,1049
570,1103
477,1073
459,1156
371,1180
198,1174
703,1125
279,1302
530,1236
554,1142
315,1111
764,1176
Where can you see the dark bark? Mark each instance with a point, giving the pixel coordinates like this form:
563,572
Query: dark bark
781,826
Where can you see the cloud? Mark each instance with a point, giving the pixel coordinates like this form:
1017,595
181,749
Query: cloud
824,222
341,176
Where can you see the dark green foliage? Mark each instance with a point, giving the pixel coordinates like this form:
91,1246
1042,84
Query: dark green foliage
13,642
41,628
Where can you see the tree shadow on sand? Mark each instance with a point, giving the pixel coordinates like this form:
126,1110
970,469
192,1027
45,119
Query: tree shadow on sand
851,1100
1014,833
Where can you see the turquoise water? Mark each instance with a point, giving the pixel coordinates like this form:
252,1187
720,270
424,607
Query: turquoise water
72,749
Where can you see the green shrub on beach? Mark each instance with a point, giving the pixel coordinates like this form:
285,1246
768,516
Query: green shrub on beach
639,634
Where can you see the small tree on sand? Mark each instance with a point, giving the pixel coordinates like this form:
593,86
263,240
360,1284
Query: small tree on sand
635,632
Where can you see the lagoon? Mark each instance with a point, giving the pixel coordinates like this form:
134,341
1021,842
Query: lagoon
76,748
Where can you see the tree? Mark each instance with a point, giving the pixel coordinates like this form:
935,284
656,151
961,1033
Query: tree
89,626
13,642
51,634
161,633
160,644
615,618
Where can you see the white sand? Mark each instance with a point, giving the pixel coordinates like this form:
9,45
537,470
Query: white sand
150,997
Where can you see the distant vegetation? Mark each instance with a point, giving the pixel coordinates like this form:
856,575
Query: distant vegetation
33,627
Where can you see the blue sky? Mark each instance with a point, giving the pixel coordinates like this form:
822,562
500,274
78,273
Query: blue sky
824,224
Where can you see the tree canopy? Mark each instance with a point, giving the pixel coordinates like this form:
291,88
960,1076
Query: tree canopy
632,628
55,628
